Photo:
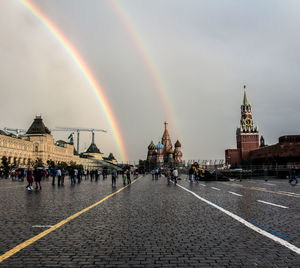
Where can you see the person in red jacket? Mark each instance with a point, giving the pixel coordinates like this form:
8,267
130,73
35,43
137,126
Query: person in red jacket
29,175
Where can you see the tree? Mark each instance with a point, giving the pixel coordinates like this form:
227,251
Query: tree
62,165
5,165
50,163
38,163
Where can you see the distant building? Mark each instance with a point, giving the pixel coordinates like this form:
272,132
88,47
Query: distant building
249,151
39,143
163,153
285,152
247,136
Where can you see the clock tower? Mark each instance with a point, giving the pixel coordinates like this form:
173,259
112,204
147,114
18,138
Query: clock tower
247,136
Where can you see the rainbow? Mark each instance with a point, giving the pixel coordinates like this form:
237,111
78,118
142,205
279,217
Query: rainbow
96,88
150,63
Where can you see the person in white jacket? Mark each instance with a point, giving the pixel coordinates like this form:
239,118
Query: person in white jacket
175,175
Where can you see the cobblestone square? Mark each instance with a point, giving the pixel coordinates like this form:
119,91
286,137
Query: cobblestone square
151,224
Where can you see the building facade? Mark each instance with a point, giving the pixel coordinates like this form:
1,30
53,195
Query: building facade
38,143
163,153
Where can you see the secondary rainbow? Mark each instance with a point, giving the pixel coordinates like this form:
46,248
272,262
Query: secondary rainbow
94,85
150,63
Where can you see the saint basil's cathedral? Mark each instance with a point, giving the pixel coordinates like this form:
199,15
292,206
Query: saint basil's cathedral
163,154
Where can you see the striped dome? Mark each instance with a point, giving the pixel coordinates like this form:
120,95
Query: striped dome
151,146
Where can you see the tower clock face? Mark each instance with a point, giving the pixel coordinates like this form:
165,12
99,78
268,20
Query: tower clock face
248,122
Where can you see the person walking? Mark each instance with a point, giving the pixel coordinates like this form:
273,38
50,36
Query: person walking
58,173
53,175
128,176
29,175
124,177
153,173
37,178
72,175
114,175
168,175
63,174
175,175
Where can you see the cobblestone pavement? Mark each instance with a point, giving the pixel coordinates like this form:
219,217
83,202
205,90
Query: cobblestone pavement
150,224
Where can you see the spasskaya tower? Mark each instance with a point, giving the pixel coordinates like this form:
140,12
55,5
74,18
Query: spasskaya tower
247,136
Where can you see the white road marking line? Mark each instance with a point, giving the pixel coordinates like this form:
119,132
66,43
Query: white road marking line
288,192
235,193
42,226
215,188
260,188
202,184
269,184
248,224
272,204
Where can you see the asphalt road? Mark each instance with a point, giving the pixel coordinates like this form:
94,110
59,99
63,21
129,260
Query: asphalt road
151,224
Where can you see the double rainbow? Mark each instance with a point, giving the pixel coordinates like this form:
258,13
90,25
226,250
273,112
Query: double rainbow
153,69
94,85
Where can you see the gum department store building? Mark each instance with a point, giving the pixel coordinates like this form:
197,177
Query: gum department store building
39,143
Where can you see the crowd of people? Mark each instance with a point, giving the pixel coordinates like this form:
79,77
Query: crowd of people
170,173
34,176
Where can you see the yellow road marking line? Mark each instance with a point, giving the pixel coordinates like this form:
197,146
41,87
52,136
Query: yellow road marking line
259,189
56,226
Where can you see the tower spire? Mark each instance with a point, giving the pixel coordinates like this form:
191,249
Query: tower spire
245,101
166,123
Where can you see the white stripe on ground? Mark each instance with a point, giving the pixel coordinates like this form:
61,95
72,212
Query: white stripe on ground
202,184
246,223
272,204
235,193
260,188
269,184
215,188
42,226
288,192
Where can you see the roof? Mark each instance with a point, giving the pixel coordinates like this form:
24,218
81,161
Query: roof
93,149
61,142
38,127
151,146
170,151
159,146
111,157
177,144
166,132
3,132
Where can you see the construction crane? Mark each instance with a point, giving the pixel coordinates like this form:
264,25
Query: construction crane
78,130
17,130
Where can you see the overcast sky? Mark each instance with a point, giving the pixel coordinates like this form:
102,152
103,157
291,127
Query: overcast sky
204,51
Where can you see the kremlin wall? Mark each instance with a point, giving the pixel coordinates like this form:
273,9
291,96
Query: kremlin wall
39,143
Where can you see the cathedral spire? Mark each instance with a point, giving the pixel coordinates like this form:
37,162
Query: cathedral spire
166,140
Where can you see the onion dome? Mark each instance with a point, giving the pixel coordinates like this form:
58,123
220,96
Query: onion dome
177,144
151,146
170,151
159,146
